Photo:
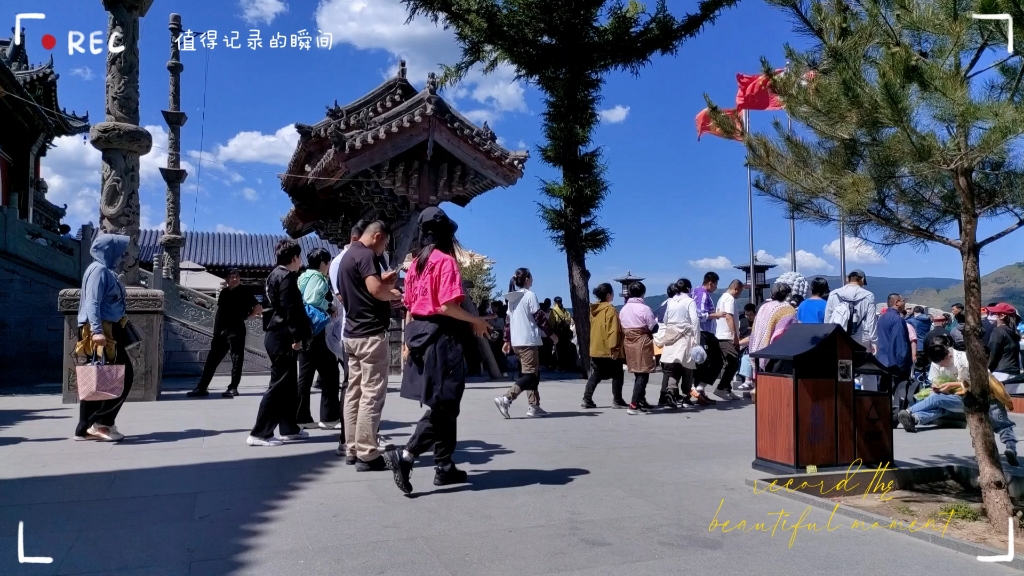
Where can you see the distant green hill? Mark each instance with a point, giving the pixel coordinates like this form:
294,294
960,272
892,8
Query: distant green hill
1003,285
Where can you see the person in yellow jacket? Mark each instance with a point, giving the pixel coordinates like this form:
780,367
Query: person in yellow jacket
947,374
605,348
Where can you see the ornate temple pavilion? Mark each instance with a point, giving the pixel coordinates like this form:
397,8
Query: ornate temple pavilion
390,154
30,118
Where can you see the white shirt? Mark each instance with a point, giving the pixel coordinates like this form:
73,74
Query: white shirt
682,309
523,329
332,277
958,372
726,304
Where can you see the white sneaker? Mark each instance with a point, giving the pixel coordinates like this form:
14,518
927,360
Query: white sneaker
535,411
744,386
105,433
300,436
384,444
78,438
330,425
254,441
503,404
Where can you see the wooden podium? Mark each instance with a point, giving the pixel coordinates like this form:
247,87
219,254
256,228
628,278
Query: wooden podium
807,411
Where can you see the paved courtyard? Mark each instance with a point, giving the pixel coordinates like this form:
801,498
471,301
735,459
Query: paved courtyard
578,492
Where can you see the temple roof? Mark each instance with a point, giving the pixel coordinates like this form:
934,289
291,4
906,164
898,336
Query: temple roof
229,249
39,84
395,149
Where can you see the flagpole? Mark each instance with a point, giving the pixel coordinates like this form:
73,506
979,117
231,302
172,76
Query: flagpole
750,218
792,217
842,248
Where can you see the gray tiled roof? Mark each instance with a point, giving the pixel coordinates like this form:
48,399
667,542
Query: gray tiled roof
229,249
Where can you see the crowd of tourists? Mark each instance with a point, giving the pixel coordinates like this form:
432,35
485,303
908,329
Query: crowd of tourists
336,311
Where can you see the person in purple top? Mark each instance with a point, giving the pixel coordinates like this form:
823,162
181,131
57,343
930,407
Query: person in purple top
703,295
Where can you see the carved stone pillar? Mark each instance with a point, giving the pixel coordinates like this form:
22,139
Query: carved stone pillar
120,138
172,240
146,312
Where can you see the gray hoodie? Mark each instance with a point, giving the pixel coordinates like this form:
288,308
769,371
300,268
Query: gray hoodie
864,303
103,295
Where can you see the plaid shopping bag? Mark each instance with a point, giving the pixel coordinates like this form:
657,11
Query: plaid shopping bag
98,380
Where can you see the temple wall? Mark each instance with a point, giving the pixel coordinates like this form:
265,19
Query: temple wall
31,328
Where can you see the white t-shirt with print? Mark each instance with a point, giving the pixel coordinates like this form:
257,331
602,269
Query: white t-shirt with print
726,304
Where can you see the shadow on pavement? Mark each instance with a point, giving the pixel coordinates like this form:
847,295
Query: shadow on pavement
205,518
516,478
176,435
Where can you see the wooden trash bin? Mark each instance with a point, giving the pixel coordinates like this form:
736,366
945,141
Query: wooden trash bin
807,411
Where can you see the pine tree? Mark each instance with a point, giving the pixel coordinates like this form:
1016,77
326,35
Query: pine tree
566,48
913,132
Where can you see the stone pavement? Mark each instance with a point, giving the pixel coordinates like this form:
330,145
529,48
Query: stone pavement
578,492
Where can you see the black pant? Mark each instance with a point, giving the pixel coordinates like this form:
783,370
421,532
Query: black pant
640,388
600,369
319,358
436,430
280,401
218,349
731,356
104,412
676,381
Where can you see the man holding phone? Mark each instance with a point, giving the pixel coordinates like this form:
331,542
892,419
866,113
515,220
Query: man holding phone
366,291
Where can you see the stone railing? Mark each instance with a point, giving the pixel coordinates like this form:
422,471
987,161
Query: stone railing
36,246
198,310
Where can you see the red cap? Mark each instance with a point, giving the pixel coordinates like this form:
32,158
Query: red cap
1002,308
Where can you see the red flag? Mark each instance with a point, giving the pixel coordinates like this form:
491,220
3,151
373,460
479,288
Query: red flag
706,125
755,93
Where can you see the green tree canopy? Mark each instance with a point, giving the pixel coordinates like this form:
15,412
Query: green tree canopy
913,126
566,49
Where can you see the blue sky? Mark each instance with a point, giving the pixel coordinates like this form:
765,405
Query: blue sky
677,206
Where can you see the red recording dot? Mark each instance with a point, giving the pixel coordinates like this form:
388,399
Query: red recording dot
49,41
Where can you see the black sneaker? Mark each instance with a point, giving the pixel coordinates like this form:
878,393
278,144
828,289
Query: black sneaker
668,402
636,409
644,404
378,464
1011,457
619,404
451,476
230,393
343,452
588,404
401,468
197,393
908,420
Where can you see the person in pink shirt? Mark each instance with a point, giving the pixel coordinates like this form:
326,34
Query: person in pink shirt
638,326
437,330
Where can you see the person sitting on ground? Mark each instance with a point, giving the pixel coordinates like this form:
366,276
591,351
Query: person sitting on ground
949,372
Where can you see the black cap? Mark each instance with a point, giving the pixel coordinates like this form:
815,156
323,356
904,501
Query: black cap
434,219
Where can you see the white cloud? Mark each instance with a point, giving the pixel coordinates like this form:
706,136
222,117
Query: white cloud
381,25
481,115
256,11
254,146
250,194
522,145
857,251
228,229
72,171
805,261
615,115
717,263
85,73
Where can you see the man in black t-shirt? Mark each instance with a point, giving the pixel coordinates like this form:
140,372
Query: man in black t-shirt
235,305
366,293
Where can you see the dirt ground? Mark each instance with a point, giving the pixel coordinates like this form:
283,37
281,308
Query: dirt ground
925,501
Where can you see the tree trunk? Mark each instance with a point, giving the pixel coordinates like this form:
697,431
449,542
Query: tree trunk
579,292
994,493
